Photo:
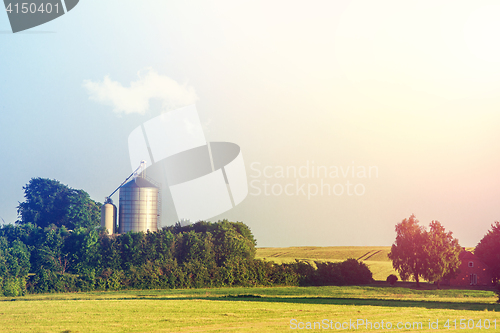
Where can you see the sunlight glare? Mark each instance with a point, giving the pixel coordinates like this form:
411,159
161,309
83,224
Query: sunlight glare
482,33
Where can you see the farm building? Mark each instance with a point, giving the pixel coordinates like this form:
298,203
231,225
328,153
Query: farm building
473,272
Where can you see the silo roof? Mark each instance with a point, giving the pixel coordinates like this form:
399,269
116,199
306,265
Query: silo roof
139,182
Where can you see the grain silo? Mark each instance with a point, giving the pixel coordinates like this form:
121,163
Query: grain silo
108,216
138,206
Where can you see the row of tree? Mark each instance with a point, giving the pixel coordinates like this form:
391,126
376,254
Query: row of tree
200,255
57,245
433,254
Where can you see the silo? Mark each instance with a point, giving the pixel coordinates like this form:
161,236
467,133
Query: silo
138,206
108,217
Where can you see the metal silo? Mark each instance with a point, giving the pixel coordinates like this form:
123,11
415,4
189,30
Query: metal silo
138,206
108,217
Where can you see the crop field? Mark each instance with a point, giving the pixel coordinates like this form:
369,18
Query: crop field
277,309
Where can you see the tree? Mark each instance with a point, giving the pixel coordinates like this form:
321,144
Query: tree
83,248
50,255
50,202
488,250
230,244
407,253
432,255
14,267
441,254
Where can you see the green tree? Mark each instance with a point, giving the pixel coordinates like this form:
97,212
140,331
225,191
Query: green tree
488,250
132,245
110,252
83,248
50,202
230,244
197,246
441,254
407,253
50,255
14,267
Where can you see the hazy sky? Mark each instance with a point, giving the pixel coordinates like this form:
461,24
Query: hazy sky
410,89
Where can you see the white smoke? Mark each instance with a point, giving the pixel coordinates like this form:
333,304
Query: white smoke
135,99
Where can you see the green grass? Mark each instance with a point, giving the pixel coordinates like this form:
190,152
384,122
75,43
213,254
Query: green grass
254,309
239,309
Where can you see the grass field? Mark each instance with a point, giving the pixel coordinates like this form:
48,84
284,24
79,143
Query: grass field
375,257
260,309
245,309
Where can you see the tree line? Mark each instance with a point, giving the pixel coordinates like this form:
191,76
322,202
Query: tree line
205,254
57,245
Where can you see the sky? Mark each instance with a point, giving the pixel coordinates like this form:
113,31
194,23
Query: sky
350,115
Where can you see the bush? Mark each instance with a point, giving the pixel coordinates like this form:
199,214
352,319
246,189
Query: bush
305,273
114,282
392,279
349,272
13,287
328,274
355,272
